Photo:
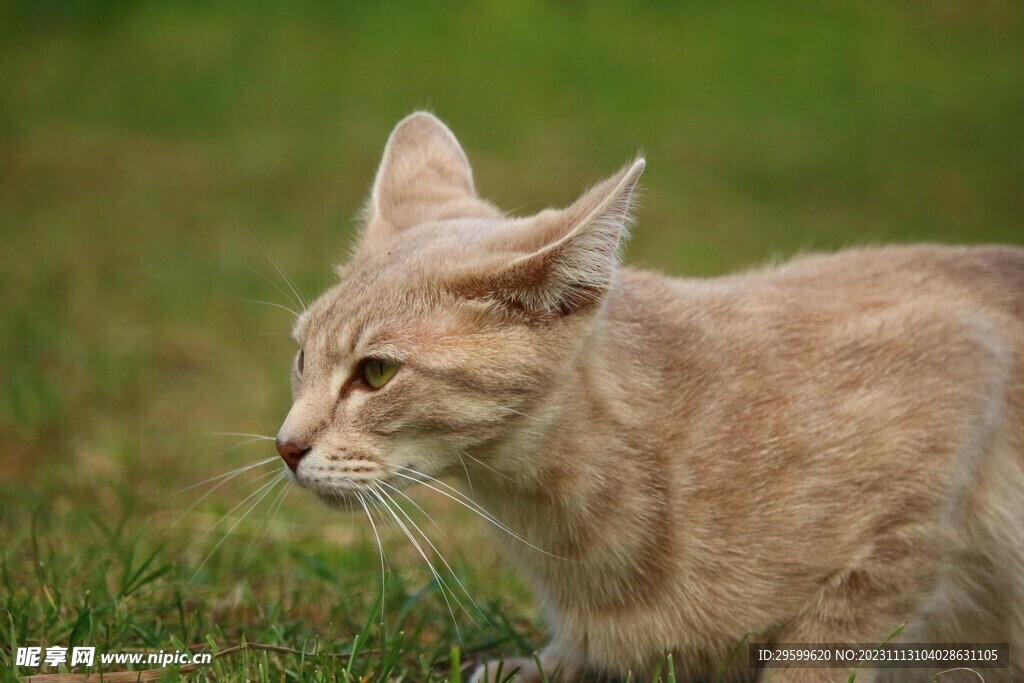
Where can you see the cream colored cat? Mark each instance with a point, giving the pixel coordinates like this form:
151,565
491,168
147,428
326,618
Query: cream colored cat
817,452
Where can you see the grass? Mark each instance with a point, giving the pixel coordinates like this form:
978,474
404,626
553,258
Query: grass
153,154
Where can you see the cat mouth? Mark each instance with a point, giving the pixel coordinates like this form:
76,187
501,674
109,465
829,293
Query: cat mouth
337,491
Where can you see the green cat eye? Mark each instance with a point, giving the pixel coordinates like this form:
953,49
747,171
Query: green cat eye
377,372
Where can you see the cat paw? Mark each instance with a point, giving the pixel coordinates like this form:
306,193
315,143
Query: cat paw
524,670
512,670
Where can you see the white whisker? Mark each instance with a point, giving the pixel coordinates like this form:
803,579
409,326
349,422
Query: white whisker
254,437
462,499
437,577
274,285
207,494
268,520
262,488
482,464
288,281
465,469
471,505
517,412
230,475
434,547
380,549
403,494
271,304
261,493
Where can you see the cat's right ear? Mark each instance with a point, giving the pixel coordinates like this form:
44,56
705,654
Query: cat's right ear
423,176
558,262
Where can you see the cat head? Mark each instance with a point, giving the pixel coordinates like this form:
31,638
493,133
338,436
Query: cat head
449,321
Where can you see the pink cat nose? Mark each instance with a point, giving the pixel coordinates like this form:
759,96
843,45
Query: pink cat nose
292,452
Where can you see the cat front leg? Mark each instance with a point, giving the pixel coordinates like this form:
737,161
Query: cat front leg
860,606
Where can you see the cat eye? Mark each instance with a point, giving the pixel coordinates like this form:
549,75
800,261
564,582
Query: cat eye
377,372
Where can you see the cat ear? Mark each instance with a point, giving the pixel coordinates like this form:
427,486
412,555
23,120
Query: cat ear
423,176
570,255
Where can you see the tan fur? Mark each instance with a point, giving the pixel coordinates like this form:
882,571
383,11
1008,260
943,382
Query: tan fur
815,452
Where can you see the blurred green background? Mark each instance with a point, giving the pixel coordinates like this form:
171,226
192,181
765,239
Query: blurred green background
153,154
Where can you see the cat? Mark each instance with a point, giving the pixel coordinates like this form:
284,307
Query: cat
815,452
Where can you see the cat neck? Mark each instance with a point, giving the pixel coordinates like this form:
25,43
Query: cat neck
581,478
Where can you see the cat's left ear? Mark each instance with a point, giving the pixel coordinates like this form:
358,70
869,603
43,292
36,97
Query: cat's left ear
423,176
560,262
